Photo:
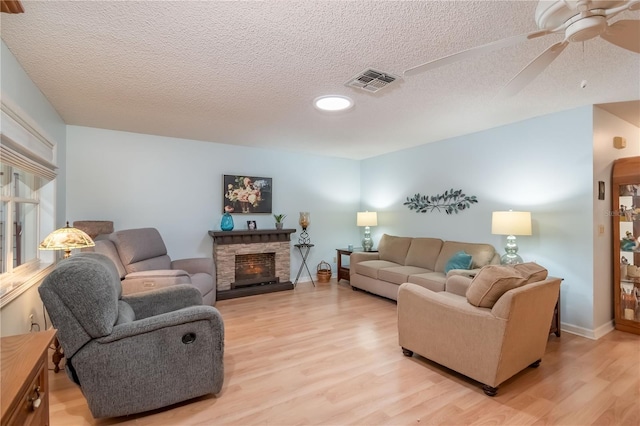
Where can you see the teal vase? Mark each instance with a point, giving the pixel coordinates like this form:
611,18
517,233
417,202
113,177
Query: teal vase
227,222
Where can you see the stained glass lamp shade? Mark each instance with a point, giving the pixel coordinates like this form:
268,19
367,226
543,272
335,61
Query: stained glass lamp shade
66,238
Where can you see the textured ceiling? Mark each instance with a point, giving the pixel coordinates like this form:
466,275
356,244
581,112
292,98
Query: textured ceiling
246,73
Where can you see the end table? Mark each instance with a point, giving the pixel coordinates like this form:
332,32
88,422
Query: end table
343,270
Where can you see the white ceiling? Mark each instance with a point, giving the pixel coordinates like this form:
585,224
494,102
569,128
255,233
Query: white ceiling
246,72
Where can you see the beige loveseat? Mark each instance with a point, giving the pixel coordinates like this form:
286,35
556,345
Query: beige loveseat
489,328
420,261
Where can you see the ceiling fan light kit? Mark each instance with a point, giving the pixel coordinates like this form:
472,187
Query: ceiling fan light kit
578,20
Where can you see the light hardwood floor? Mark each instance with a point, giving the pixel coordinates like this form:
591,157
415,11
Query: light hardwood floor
329,356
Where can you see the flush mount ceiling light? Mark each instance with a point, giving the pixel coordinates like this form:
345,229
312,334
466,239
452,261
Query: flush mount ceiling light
333,103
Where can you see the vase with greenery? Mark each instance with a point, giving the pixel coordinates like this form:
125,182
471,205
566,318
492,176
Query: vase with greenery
279,220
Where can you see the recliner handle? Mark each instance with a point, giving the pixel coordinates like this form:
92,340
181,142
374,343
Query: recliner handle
189,338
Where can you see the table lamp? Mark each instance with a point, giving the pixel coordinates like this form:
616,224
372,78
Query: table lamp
367,219
66,238
511,223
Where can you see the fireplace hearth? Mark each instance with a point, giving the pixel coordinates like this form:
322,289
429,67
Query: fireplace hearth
251,262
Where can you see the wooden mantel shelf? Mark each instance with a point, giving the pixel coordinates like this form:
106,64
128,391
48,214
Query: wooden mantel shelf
251,236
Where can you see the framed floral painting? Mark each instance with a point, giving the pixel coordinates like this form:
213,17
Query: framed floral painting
246,194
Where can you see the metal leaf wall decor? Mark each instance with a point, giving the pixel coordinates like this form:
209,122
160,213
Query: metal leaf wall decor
451,202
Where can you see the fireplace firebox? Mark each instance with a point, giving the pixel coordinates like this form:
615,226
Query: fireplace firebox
255,269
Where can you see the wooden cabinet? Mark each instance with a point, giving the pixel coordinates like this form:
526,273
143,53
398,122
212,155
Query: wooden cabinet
625,199
25,391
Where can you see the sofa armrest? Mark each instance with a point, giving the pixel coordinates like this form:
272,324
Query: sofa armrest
469,273
166,299
162,321
136,282
195,265
361,256
458,284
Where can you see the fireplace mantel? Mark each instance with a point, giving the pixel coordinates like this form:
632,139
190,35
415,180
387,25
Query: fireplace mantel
251,236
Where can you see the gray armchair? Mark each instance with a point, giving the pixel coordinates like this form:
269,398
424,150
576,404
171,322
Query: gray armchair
143,264
133,353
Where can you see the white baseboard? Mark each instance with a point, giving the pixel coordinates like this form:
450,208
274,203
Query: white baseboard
588,333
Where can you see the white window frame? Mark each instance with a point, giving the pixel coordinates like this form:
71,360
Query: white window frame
27,148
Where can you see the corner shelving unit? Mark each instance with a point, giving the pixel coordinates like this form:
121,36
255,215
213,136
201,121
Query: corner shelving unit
625,203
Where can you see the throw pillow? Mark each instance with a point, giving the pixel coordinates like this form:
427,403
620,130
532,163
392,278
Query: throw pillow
490,283
460,260
531,271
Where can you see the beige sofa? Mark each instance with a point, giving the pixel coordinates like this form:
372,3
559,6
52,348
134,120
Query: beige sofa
488,328
419,261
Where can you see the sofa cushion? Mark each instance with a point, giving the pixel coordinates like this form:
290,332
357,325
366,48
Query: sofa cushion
135,245
394,249
482,253
434,281
370,268
531,271
398,274
460,260
490,283
423,252
152,264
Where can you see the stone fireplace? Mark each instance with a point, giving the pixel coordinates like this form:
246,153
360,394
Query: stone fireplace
252,262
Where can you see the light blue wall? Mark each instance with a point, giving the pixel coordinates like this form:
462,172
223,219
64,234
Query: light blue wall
175,185
543,165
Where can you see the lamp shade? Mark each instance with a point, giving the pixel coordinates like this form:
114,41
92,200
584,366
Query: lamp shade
511,223
367,219
66,238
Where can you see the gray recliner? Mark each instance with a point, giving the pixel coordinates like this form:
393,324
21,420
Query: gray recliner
143,264
133,353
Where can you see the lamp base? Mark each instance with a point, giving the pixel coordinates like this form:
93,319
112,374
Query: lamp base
511,256
367,242
510,259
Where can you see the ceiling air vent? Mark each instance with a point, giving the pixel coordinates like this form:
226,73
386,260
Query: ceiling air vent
371,80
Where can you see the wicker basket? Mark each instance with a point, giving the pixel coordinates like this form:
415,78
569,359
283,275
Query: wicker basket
324,272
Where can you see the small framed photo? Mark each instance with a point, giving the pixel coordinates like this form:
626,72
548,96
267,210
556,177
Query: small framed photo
251,224
600,190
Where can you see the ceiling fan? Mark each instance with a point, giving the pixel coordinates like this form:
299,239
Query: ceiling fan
578,20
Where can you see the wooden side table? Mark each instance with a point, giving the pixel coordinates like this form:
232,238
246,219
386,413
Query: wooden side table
343,270
25,378
304,252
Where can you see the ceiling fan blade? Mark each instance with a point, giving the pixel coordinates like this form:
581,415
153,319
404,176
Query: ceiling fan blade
11,6
478,50
625,34
632,5
534,68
